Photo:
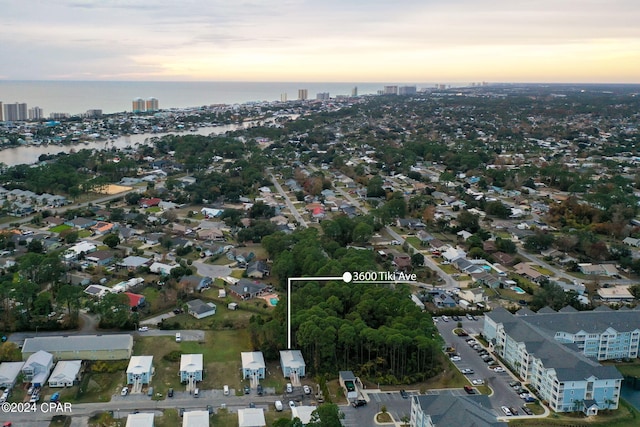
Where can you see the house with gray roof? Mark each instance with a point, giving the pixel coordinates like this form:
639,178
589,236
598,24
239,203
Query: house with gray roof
292,363
200,309
37,367
83,347
65,374
9,372
449,410
558,372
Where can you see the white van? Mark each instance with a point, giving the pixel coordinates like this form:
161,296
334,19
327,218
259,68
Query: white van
178,337
278,405
225,390
196,392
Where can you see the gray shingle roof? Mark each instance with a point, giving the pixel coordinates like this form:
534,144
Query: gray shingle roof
459,411
78,342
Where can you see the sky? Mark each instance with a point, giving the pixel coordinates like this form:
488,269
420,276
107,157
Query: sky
564,41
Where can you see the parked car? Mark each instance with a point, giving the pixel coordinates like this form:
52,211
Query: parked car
55,396
515,384
477,381
404,394
358,403
292,404
513,410
260,390
506,411
247,389
278,405
498,369
527,410
469,389
306,389
456,358
143,329
124,391
530,399
467,371
252,405
170,393
289,388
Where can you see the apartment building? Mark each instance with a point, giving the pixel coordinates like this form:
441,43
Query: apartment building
559,373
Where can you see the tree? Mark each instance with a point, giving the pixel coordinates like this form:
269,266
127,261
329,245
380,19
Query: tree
374,187
112,240
362,232
468,221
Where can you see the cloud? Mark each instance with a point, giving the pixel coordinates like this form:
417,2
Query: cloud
185,39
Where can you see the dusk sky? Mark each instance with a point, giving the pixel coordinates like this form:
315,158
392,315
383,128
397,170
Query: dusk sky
321,40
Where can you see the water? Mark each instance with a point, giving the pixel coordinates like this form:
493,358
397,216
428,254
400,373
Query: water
518,290
28,154
76,97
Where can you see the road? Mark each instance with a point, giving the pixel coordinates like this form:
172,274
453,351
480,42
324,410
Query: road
448,281
290,205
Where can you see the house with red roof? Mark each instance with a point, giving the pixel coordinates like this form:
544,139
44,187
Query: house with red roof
147,203
135,300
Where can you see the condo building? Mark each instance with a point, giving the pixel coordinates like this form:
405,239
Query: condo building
555,368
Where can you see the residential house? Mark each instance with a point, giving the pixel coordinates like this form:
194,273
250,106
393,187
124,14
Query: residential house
449,410
135,300
452,254
257,269
200,309
79,248
253,365
615,294
528,272
196,419
148,203
66,373
141,419
251,417
401,260
473,295
247,289
303,413
194,283
191,368
292,363
84,347
632,241
410,223
103,227
100,258
133,262
598,269
9,371
140,370
81,223
504,258
212,234
37,367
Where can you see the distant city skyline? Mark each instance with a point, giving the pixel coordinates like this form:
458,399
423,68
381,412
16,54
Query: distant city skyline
563,41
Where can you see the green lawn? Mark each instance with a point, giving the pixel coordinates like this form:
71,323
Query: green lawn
59,228
624,416
415,242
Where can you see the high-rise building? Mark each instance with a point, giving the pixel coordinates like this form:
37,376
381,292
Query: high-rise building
390,90
1,113
138,105
354,91
15,112
407,90
303,94
35,113
283,97
93,113
322,96
152,104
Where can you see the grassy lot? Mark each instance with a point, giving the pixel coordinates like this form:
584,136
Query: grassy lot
624,416
415,242
448,268
96,387
59,228
221,354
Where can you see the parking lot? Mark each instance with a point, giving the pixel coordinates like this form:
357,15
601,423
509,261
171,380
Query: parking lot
470,360
396,406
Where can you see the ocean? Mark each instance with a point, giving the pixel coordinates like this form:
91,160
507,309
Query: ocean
76,97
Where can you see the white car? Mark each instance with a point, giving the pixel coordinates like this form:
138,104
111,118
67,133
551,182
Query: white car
456,358
498,369
289,388
306,389
292,404
477,382
506,411
143,329
124,391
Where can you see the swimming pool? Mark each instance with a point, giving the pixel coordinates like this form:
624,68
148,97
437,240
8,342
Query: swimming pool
274,301
486,267
518,290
